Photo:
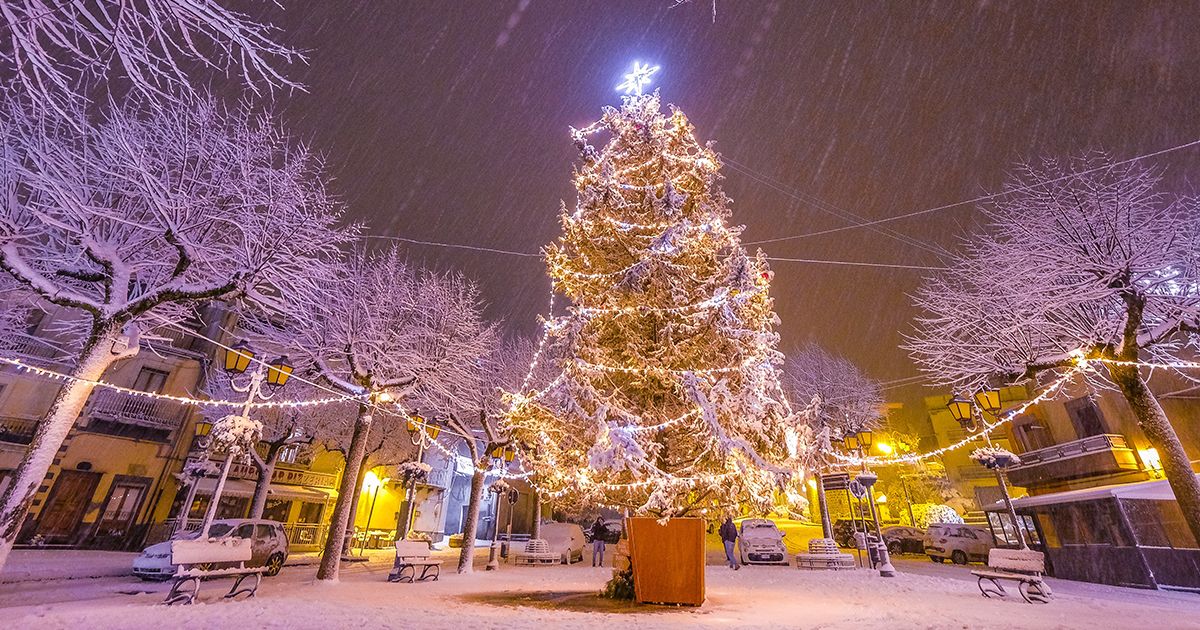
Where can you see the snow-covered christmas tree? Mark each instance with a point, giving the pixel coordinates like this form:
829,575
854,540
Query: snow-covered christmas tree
668,401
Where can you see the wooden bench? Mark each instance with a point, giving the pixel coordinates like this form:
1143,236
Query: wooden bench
200,559
1023,566
823,553
537,551
411,554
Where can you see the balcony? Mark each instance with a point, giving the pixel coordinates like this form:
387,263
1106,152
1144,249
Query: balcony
17,430
135,410
175,340
1092,456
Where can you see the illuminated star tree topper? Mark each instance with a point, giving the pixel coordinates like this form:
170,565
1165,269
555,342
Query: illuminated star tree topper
636,80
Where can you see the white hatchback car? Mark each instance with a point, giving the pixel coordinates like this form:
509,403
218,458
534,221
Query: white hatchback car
268,547
761,542
565,539
958,543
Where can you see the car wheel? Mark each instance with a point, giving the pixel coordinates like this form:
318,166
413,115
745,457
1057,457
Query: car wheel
958,557
937,559
274,564
895,548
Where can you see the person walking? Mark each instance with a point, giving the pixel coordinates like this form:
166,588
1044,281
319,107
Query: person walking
599,532
729,535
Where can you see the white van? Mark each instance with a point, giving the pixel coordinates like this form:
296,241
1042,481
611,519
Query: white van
958,543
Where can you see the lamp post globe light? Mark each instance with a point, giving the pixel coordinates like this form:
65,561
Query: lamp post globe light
237,361
857,441
962,410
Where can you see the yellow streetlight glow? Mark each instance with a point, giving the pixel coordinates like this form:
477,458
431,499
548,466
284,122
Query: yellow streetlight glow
885,448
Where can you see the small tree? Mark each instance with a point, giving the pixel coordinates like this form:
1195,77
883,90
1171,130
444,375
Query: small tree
841,400
378,330
1083,259
128,223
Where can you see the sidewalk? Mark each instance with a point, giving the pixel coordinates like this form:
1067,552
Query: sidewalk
33,565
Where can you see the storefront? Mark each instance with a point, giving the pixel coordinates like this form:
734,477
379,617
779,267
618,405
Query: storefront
1126,535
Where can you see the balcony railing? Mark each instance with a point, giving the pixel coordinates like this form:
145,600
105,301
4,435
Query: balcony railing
147,412
32,349
17,430
1092,456
440,478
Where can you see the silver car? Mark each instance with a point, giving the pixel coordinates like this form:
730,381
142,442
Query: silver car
761,542
958,543
268,547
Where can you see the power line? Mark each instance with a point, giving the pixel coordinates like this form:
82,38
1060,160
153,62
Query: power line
454,245
855,263
979,198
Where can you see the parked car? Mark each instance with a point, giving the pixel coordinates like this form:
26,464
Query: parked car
904,539
566,539
958,543
844,528
268,547
761,542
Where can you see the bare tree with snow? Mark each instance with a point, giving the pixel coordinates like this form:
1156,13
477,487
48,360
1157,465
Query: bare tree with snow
130,221
379,330
839,399
55,49
1082,258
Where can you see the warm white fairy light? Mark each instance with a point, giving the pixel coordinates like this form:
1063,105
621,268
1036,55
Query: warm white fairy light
186,400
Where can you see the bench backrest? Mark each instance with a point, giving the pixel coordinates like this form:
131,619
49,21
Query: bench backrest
537,545
823,546
1020,560
228,549
412,548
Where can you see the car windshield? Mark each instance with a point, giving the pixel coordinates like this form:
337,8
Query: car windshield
217,530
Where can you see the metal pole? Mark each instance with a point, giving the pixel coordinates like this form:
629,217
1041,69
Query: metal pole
182,520
412,490
885,561
493,559
370,513
1012,513
256,380
912,520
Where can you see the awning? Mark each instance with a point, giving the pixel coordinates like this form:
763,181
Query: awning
1143,490
245,488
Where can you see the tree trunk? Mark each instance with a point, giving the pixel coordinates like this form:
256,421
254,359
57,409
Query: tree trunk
537,515
94,359
332,553
823,507
265,471
466,559
1154,423
348,538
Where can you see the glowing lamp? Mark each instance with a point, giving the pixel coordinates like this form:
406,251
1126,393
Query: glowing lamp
203,428
510,453
851,441
385,397
885,448
864,438
238,358
432,430
988,399
279,371
960,409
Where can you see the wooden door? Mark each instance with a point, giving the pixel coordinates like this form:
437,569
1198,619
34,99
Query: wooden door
69,500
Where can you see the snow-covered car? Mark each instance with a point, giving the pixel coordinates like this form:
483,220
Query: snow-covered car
761,542
844,530
268,547
565,539
904,539
960,543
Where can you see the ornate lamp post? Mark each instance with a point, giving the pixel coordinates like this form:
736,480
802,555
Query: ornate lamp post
276,374
421,432
193,471
858,441
996,460
499,454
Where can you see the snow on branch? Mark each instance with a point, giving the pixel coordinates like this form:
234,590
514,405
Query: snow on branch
151,209
57,48
1102,263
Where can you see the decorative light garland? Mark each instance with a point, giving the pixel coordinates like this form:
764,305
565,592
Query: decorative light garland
186,400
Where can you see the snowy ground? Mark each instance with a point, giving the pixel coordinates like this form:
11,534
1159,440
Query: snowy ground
924,596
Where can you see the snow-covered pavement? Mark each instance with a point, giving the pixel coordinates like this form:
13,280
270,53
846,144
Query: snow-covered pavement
563,597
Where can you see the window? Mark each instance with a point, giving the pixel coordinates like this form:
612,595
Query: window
122,503
33,321
263,532
287,454
1086,417
310,512
245,531
1030,433
277,510
150,380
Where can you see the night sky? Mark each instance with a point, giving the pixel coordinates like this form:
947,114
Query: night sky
447,121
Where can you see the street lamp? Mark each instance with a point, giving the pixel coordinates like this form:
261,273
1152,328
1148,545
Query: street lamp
373,483
857,441
988,399
237,360
421,432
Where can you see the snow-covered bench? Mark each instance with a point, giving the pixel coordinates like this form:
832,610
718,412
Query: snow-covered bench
199,559
537,551
823,553
411,554
1023,566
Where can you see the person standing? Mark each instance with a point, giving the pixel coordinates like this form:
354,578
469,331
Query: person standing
729,535
599,532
